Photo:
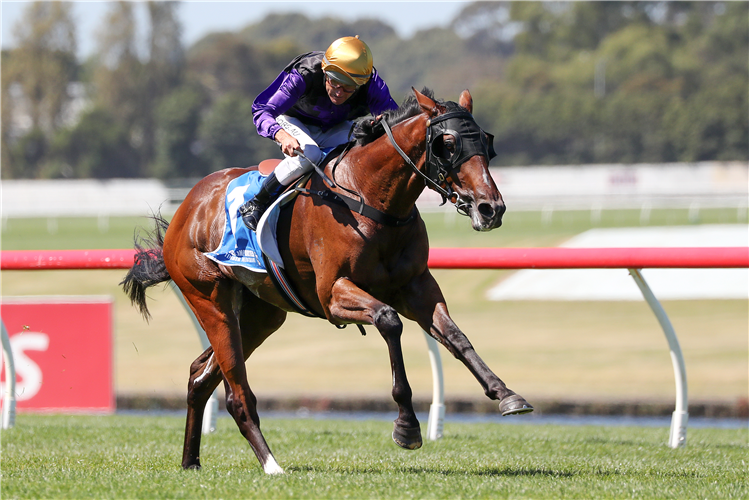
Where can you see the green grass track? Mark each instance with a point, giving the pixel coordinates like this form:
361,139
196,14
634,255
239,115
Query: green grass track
48,456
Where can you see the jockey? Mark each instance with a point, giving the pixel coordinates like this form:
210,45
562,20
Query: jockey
311,105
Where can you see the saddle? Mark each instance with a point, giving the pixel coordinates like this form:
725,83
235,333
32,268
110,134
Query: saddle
265,167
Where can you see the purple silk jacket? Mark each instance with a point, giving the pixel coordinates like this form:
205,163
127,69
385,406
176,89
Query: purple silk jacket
299,91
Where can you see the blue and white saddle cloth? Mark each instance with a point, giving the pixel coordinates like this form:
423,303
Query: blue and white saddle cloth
240,246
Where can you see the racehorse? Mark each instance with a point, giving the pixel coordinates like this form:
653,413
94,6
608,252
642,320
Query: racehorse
366,266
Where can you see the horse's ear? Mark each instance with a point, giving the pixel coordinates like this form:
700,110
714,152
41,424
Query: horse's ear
466,100
428,105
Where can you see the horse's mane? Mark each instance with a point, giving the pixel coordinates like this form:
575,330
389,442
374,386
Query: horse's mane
367,129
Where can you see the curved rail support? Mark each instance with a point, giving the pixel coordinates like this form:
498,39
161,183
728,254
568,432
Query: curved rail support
437,409
9,398
211,407
680,417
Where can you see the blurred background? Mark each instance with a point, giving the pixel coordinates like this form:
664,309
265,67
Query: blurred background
605,115
556,82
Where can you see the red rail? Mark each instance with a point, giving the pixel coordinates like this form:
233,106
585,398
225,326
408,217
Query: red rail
441,258
587,258
25,260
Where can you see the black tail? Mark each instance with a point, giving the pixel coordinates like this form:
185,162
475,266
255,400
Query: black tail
149,268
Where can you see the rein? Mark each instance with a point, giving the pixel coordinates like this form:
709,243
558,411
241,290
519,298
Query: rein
440,183
356,206
447,194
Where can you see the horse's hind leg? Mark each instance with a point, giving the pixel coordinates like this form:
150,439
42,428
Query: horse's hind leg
232,341
205,376
426,305
351,303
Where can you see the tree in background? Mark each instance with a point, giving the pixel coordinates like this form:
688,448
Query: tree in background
131,86
622,82
436,57
6,117
163,70
36,79
118,70
225,63
709,119
309,35
97,147
46,48
228,137
177,120
230,71
555,82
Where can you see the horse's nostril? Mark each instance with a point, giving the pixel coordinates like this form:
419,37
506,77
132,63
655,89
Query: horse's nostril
486,210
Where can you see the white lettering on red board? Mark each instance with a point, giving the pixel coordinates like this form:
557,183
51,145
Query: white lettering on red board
28,373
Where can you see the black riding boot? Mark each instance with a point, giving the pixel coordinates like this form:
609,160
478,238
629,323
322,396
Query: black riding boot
253,209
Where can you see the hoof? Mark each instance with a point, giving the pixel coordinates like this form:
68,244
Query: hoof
273,468
407,437
514,405
191,466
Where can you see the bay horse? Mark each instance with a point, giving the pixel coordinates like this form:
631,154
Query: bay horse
347,267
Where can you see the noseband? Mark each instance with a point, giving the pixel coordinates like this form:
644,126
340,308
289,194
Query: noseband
470,140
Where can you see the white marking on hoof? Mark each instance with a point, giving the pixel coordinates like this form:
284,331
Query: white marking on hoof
272,467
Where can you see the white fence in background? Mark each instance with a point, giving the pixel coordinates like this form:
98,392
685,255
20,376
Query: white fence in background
584,187
82,197
641,186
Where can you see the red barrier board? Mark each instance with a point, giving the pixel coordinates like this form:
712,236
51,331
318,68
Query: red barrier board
62,350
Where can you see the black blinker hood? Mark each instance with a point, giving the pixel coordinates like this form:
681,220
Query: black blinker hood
470,141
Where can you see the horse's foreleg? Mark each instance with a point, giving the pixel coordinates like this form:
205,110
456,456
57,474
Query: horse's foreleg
425,304
205,375
349,303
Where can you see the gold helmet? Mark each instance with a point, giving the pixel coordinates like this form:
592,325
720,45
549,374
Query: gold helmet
348,60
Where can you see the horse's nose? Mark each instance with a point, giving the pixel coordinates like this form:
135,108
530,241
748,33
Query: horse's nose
501,210
492,213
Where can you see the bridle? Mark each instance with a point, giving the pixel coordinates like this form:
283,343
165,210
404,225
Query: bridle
470,140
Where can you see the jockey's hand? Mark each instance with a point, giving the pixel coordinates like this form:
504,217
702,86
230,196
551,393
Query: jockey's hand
287,142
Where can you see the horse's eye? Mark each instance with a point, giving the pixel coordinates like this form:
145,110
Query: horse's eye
445,146
450,143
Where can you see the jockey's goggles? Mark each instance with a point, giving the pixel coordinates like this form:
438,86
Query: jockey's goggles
340,82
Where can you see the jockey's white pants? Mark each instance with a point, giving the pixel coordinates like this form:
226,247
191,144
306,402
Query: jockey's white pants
311,139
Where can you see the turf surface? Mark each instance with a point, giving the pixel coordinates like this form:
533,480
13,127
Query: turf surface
139,457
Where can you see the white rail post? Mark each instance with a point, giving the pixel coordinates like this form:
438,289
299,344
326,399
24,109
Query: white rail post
437,409
680,417
211,407
9,398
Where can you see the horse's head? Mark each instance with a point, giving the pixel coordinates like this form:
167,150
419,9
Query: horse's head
457,160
